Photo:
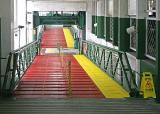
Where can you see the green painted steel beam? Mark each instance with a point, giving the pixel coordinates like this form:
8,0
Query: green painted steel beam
93,22
123,37
57,22
141,36
100,27
59,17
96,26
107,28
157,79
82,19
0,56
115,31
36,19
55,19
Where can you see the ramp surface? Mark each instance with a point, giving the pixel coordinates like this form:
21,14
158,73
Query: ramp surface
52,36
107,85
69,38
46,78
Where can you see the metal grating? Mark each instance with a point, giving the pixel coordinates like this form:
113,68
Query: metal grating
111,28
133,35
151,38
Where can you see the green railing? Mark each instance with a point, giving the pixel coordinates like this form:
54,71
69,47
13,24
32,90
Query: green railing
113,62
18,62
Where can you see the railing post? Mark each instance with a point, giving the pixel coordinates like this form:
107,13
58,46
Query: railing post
15,57
69,79
81,47
8,68
124,70
130,71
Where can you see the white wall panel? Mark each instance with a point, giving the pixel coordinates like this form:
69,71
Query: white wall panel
110,7
131,7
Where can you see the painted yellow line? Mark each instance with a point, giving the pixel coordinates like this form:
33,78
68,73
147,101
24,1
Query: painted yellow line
68,37
106,84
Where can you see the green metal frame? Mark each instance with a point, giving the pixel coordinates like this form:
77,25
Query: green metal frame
58,20
18,62
0,57
82,20
157,84
112,61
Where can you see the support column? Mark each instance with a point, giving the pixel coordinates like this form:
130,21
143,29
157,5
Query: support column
107,22
123,23
141,28
100,18
89,18
96,17
36,19
82,17
93,16
114,26
157,83
0,57
7,30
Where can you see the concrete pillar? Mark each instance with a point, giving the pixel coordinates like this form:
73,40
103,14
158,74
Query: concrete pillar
115,23
96,17
157,84
141,28
123,24
7,30
93,16
107,21
100,18
89,18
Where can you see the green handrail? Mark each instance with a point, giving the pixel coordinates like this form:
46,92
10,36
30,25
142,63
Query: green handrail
113,62
18,62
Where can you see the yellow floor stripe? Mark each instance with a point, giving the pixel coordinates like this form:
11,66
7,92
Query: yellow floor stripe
106,84
68,37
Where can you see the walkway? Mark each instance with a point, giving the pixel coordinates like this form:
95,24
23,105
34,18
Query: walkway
52,37
49,75
46,78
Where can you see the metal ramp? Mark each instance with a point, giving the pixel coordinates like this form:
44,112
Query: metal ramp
52,37
48,78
